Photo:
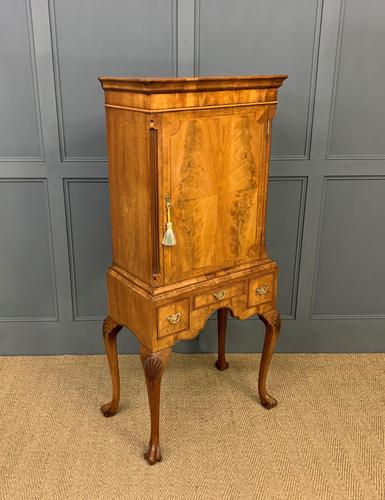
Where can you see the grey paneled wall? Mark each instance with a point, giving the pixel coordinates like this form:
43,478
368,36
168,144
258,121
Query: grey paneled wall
357,115
134,37
266,37
88,227
28,289
284,224
351,273
327,192
20,126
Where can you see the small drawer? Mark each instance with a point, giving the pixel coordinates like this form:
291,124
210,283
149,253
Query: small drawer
219,294
173,318
261,290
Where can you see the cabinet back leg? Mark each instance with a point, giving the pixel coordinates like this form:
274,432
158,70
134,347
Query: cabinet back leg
153,366
221,362
110,332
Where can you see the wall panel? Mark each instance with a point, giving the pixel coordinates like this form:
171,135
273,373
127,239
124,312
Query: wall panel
20,127
351,273
358,107
27,285
89,236
286,199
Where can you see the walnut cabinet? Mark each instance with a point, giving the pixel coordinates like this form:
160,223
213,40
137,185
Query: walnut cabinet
188,170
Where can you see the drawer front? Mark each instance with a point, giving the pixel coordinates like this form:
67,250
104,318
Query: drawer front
218,295
173,318
261,290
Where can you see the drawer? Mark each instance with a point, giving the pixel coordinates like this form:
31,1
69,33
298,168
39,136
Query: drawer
218,294
173,318
261,290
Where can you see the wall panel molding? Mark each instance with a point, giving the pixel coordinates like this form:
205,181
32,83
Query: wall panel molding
55,316
71,249
312,90
174,37
197,23
32,56
313,315
299,237
313,81
35,83
336,74
335,81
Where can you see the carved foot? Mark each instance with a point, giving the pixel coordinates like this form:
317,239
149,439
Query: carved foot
272,321
110,332
153,366
109,409
268,401
221,363
153,454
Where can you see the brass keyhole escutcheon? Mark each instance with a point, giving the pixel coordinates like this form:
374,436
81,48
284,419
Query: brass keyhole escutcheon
219,295
262,290
174,318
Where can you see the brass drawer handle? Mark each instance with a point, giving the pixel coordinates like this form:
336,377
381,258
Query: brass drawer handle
219,295
174,318
262,290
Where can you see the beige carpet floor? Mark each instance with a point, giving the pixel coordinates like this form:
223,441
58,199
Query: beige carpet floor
325,440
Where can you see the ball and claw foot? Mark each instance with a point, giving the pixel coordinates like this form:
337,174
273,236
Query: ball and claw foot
268,402
108,410
221,365
153,454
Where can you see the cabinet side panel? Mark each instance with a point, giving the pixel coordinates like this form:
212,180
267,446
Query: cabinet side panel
130,309
129,177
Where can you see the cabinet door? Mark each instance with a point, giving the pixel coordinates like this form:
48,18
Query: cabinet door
215,171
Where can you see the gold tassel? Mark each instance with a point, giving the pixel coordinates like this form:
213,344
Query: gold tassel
169,239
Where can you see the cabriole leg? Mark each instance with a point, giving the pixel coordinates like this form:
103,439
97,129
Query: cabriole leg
153,366
110,332
272,321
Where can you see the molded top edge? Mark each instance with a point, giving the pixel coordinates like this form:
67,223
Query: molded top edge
153,85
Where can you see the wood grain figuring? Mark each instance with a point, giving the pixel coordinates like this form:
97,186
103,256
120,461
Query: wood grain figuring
218,295
181,94
164,103
205,144
215,163
130,201
173,318
261,290
133,309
